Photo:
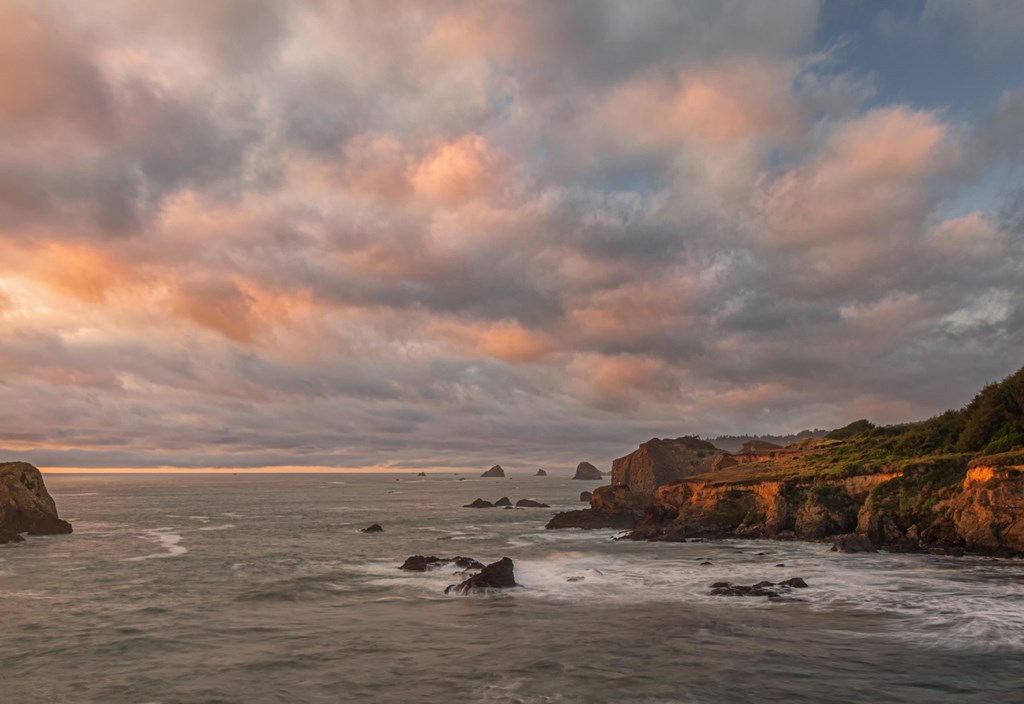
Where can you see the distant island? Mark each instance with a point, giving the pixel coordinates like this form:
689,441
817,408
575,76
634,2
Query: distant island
950,484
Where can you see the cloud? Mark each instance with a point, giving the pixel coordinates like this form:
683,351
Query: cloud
452,234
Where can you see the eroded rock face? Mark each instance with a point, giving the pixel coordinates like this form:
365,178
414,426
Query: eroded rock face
659,462
497,575
495,471
610,507
25,504
988,513
585,470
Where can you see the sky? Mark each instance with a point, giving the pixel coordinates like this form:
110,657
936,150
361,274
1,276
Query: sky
405,235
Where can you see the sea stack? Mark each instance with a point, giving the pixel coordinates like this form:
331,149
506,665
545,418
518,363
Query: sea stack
495,471
25,504
541,473
585,470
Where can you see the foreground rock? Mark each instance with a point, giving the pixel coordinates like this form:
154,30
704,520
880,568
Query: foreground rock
659,462
853,543
497,575
375,528
495,471
541,473
25,504
772,590
530,503
422,563
585,470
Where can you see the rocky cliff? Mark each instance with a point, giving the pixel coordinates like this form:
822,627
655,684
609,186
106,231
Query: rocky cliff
658,462
25,504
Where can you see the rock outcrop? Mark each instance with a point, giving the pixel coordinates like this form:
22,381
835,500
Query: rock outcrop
422,474
375,528
497,575
585,470
423,563
659,462
541,473
479,503
772,590
495,471
610,507
25,504
530,503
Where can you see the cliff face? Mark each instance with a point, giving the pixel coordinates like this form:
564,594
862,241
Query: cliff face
659,462
25,504
610,507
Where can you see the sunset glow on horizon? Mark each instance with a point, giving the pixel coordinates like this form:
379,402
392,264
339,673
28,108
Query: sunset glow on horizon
332,237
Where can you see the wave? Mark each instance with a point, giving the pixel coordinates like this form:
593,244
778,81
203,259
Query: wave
167,540
225,526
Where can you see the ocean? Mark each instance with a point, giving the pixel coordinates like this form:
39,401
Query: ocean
260,588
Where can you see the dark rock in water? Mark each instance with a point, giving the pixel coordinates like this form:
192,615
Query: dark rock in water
853,543
541,473
497,575
585,496
422,474
462,479
422,563
574,579
795,582
25,504
771,590
705,563
530,503
495,471
585,470
781,564
589,519
479,503
503,501
375,528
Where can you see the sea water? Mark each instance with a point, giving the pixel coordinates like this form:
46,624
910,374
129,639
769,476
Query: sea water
261,588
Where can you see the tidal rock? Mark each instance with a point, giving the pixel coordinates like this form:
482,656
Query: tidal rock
497,575
853,543
585,496
479,503
589,519
771,590
495,471
503,501
585,470
422,474
422,563
541,473
530,503
25,504
375,528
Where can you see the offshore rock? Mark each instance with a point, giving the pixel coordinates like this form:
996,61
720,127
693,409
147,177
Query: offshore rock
585,496
530,503
659,462
495,471
422,563
541,473
25,504
497,575
375,528
585,470
479,503
503,501
772,590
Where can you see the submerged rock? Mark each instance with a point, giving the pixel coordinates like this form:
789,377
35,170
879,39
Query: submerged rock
585,470
541,473
422,563
375,528
771,590
495,471
479,503
25,504
530,503
497,575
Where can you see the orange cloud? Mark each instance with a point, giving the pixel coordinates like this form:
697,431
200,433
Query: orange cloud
457,171
507,340
218,305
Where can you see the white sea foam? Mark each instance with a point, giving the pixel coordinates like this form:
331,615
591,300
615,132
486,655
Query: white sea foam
165,539
225,526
